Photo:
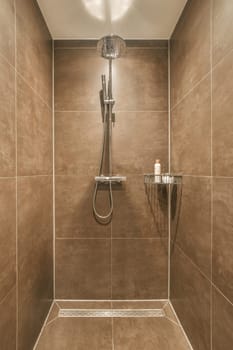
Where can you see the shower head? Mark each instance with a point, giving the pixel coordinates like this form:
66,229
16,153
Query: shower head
111,46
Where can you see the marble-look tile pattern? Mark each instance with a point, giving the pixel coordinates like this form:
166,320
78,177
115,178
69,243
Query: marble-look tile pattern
222,118
34,145
7,119
7,236
222,29
7,30
139,269
83,269
193,231
222,322
35,259
8,321
190,48
222,235
190,296
191,132
34,49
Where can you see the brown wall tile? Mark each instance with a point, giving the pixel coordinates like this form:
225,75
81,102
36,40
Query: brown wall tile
8,321
222,29
139,138
7,119
190,295
7,30
7,236
190,48
222,118
35,284
191,132
78,134
77,79
222,235
139,269
138,213
222,322
193,233
74,213
141,80
34,48
34,131
83,269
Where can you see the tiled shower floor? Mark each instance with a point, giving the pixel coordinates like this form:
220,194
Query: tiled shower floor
112,333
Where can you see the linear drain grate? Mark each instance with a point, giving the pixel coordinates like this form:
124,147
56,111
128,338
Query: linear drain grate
111,313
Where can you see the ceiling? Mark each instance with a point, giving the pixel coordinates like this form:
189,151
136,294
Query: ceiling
92,19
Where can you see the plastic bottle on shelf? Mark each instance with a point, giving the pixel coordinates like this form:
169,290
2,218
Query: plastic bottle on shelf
157,171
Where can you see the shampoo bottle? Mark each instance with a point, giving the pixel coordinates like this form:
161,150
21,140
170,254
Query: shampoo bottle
157,171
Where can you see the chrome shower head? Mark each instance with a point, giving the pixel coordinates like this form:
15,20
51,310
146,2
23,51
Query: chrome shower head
111,46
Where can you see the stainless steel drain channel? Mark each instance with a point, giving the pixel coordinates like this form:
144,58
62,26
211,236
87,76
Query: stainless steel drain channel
111,313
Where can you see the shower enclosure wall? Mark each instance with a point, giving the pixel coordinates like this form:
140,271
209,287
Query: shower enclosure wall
127,259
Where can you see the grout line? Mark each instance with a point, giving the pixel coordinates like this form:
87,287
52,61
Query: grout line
35,92
109,300
16,183
223,295
7,177
191,90
109,238
116,111
211,184
172,321
181,327
51,321
53,150
193,263
169,169
42,328
35,175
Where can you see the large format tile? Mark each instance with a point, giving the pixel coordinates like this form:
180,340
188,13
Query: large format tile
193,233
83,269
190,48
222,29
140,80
78,79
7,30
142,73
74,212
148,334
222,235
34,131
138,213
191,132
7,119
78,142
7,235
77,333
222,117
139,268
34,48
35,256
138,139
8,321
222,322
190,297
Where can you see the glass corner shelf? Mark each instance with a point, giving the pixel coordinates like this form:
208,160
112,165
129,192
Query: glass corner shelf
163,179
